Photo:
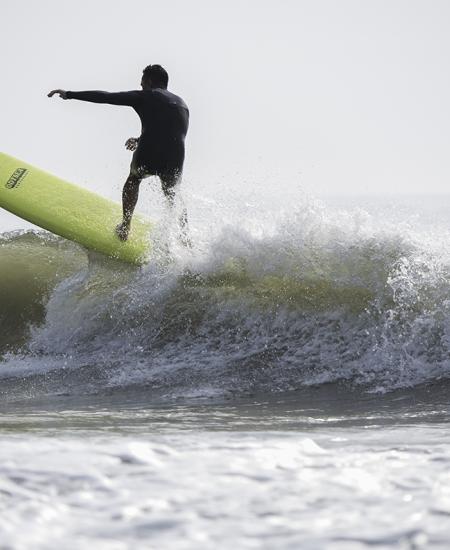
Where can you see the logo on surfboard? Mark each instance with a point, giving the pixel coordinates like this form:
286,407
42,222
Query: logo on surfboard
16,178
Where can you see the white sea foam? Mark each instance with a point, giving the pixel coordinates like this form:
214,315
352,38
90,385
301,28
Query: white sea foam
263,302
340,489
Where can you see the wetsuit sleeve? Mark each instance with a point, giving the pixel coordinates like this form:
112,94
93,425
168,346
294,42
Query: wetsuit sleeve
112,98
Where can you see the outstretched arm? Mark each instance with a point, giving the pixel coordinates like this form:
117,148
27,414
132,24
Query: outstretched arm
95,96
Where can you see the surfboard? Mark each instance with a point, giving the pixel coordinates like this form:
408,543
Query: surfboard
70,211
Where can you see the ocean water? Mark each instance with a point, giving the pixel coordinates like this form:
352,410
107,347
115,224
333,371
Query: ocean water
282,384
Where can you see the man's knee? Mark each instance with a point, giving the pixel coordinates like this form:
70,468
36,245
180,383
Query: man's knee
169,193
169,182
139,171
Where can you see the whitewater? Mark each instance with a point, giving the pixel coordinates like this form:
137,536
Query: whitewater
281,384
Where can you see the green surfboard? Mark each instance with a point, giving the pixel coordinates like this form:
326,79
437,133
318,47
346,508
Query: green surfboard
70,211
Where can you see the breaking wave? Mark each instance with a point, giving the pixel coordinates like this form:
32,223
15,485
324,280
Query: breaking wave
306,298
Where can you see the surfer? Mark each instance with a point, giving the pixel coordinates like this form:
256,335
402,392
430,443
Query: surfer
159,151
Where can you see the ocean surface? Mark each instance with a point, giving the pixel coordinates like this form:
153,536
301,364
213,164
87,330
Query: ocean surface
282,384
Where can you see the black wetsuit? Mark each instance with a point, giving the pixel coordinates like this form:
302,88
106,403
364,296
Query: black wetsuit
165,121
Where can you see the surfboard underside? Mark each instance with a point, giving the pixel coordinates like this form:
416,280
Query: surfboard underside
70,211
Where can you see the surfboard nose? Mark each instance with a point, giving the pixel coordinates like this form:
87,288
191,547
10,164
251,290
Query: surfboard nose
70,211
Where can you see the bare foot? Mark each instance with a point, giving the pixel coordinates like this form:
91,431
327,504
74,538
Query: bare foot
122,231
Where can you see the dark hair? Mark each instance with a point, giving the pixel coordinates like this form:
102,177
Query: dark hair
157,75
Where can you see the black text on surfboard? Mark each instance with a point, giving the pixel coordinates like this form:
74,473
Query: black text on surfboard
16,178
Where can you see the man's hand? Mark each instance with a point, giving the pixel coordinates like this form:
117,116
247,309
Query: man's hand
62,93
131,144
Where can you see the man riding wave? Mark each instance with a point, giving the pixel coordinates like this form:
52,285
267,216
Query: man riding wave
159,151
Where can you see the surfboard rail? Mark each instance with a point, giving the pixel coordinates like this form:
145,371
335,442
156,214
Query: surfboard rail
70,211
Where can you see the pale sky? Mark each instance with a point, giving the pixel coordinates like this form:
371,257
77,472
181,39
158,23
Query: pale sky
335,96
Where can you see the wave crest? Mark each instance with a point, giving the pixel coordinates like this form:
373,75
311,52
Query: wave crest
313,299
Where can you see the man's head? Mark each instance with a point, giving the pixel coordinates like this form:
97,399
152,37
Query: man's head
154,76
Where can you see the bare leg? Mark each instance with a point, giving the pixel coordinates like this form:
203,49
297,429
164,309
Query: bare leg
169,184
169,193
130,196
